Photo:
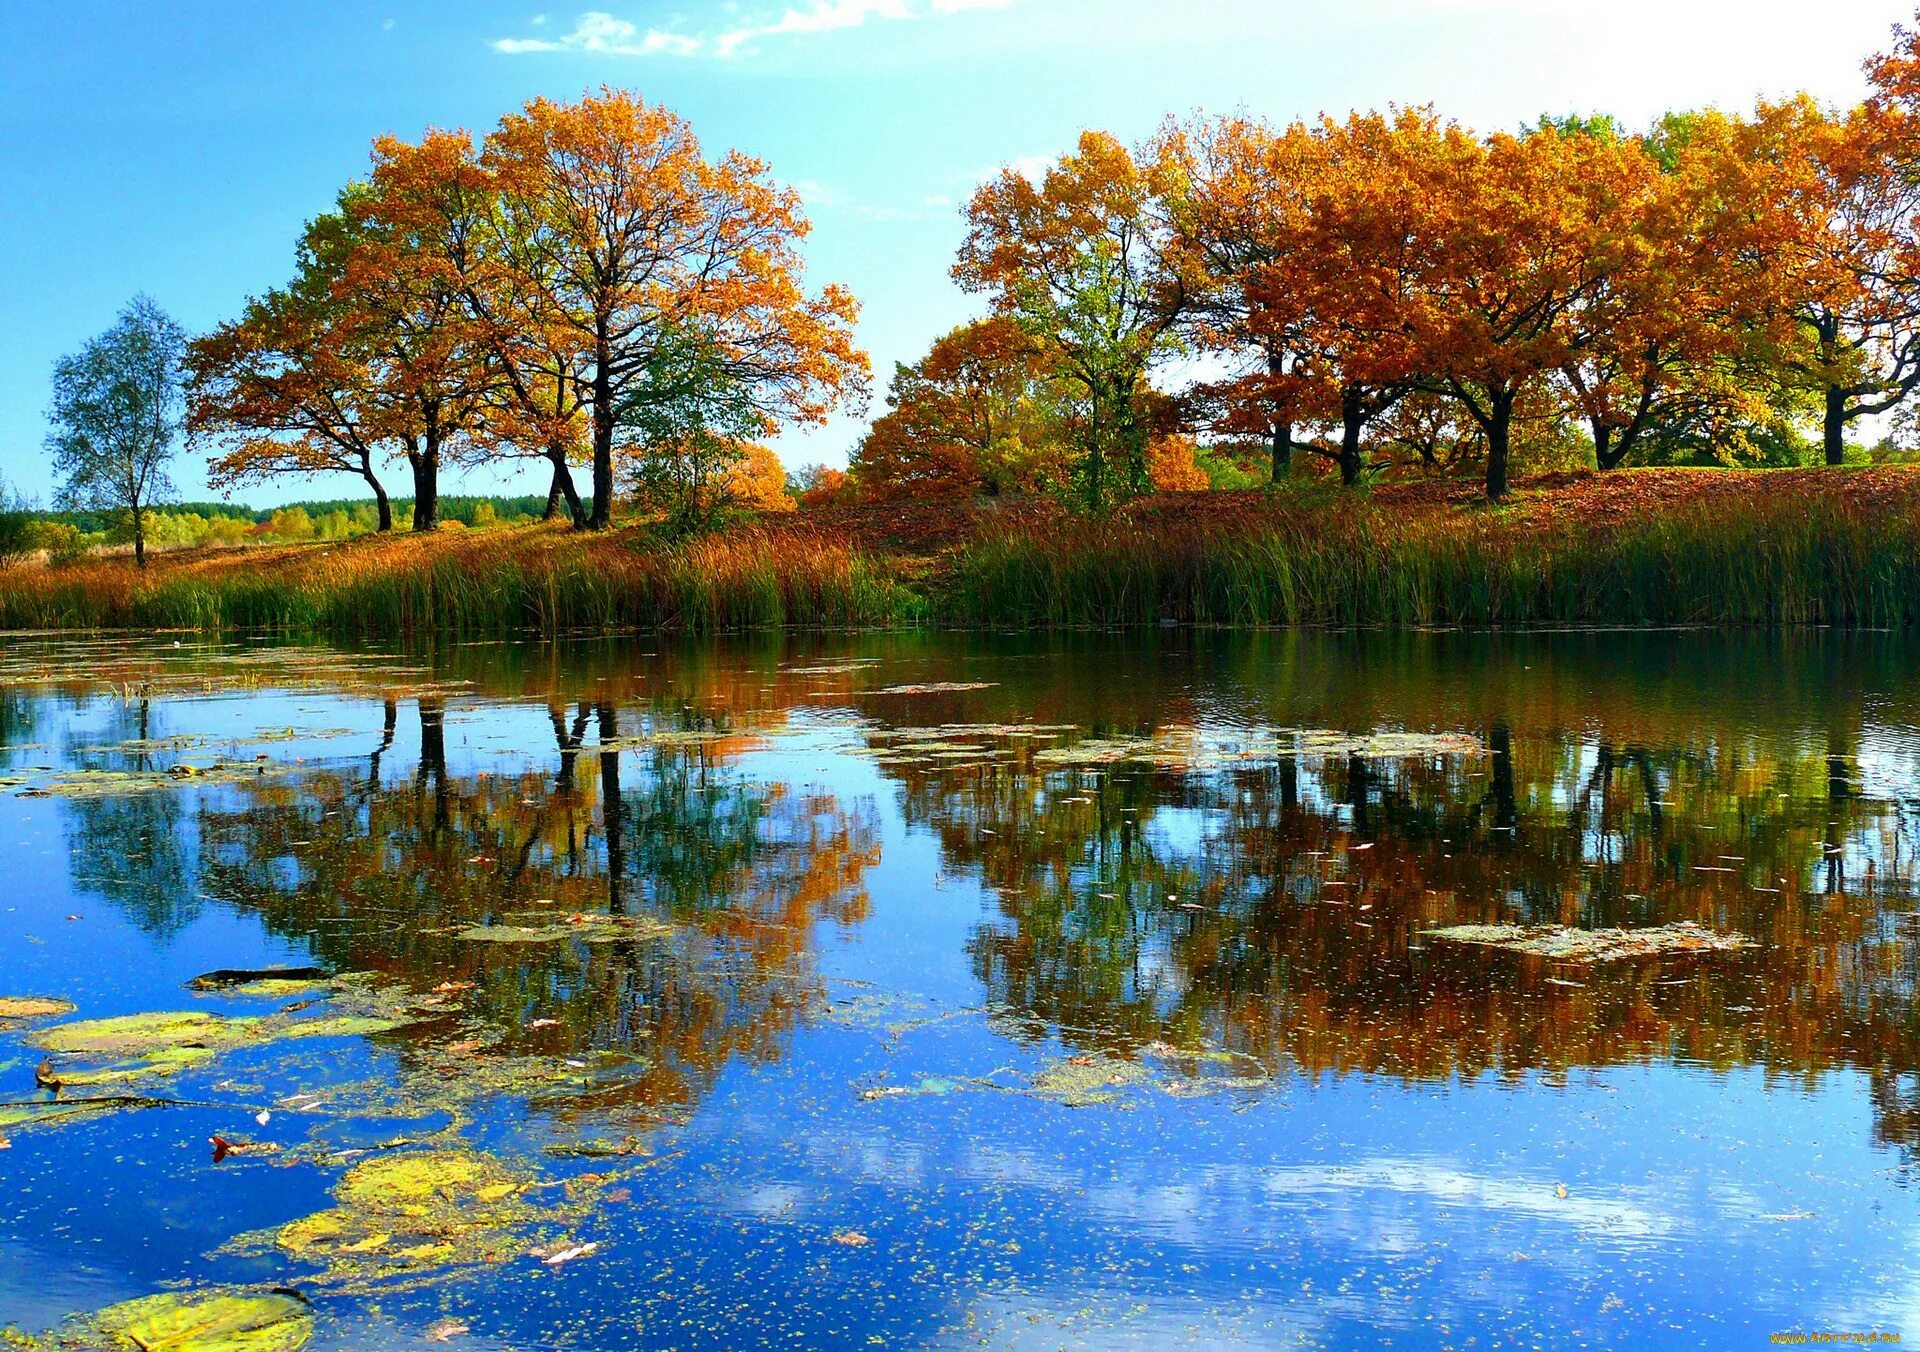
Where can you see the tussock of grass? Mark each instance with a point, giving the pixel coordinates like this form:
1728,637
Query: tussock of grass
1655,547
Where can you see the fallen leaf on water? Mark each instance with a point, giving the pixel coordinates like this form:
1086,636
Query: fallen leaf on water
223,1148
544,1023
449,987
462,1048
851,1238
1560,1191
445,1330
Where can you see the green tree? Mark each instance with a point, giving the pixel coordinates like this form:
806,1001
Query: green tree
16,523
1080,263
116,414
688,424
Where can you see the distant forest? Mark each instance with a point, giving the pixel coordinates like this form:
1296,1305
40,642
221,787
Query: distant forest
458,508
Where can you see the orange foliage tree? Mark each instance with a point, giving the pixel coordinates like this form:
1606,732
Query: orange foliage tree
1843,191
285,391
618,237
1520,236
438,194
1309,236
975,415
368,349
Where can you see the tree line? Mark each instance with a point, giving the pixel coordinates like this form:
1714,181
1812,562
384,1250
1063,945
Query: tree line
1393,288
583,286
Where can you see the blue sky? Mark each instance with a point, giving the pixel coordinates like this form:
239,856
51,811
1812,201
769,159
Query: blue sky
176,147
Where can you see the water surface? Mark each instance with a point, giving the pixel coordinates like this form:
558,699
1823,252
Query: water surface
979,992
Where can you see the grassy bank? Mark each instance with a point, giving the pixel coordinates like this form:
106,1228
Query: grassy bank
1639,547
538,578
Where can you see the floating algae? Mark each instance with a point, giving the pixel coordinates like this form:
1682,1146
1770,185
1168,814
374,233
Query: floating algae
229,1320
280,987
128,1036
1683,938
1182,748
421,1215
20,1008
265,981
1083,1081
932,688
131,1047
116,783
595,928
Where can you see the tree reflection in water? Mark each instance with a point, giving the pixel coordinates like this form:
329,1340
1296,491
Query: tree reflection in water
382,876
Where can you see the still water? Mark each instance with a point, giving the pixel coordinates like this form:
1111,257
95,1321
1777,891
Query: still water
965,992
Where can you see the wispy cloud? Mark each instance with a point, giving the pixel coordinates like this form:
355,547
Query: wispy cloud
599,33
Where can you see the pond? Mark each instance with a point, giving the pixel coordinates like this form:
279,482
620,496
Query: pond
961,991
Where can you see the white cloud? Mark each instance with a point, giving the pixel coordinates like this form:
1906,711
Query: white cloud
822,16
599,33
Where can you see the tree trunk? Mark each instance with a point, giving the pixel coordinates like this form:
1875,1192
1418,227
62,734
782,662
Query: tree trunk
1833,426
1606,452
602,515
381,503
426,489
139,535
1499,426
562,489
1352,419
1506,805
1282,450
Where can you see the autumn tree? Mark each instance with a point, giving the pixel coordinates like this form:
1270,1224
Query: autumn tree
976,415
1846,190
539,399
1297,243
1079,261
403,240
611,236
1240,200
287,389
1677,352
116,414
817,486
1520,234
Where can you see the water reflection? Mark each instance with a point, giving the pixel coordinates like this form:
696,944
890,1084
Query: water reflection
386,874
1202,869
1271,906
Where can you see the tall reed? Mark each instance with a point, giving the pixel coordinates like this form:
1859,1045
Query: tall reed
1753,560
500,582
1794,549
